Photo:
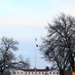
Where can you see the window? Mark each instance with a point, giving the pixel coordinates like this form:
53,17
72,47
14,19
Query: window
42,72
53,72
45,73
18,72
57,72
26,72
35,72
14,72
21,72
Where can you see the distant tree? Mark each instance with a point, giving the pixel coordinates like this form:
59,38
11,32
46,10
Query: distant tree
21,63
7,46
59,46
47,68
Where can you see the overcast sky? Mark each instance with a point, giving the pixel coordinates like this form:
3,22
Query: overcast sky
23,20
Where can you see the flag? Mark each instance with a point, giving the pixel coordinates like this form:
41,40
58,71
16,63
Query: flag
35,39
36,45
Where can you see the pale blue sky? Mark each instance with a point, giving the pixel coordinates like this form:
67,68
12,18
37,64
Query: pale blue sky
24,20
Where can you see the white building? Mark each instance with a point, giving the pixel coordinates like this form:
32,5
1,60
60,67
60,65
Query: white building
36,72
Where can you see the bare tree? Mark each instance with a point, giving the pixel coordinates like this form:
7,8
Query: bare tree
59,45
47,68
7,46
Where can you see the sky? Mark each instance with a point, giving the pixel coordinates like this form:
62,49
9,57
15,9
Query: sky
23,20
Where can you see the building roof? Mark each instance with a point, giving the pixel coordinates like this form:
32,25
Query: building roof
32,70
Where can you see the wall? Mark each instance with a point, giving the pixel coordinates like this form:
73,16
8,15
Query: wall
20,72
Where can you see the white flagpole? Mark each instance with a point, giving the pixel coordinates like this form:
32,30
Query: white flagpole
35,55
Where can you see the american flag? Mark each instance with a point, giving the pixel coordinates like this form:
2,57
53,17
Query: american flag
36,40
36,45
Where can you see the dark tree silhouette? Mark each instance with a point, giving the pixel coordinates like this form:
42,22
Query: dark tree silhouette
7,46
47,68
59,45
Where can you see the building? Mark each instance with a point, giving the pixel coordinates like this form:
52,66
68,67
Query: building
36,72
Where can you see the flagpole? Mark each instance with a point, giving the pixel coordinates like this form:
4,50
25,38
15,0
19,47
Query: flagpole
35,55
36,45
